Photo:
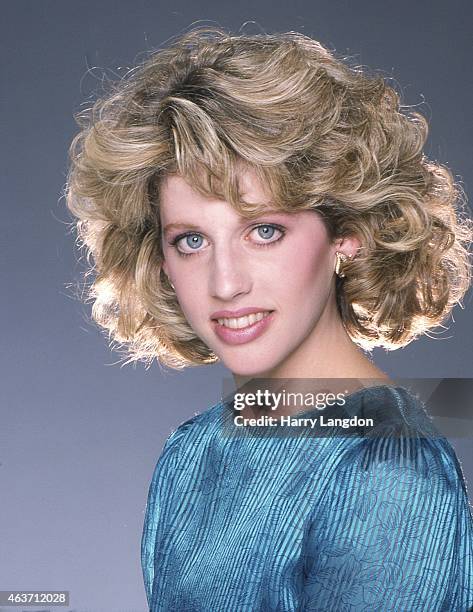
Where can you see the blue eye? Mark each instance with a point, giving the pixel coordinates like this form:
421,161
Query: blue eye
266,231
194,241
189,241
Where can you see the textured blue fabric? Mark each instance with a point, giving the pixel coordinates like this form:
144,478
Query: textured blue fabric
339,523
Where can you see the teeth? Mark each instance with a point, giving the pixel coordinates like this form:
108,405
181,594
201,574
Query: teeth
242,322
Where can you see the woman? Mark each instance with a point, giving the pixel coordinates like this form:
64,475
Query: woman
255,200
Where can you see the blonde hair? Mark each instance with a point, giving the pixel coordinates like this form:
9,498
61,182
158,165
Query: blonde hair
319,134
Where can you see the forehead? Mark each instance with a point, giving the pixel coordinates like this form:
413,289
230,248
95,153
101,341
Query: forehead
176,193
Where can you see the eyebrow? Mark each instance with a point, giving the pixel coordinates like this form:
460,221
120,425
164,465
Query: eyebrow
171,226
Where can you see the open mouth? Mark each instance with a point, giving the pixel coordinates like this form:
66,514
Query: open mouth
241,330
244,322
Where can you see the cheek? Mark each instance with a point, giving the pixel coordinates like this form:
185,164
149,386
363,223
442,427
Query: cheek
190,291
307,271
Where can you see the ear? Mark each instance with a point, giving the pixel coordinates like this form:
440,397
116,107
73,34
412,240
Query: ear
349,245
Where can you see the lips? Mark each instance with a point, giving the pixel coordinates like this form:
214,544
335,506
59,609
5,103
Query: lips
235,336
242,322
234,314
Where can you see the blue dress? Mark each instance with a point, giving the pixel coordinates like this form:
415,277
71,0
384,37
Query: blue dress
239,522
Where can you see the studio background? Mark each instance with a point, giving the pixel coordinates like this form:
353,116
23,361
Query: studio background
79,434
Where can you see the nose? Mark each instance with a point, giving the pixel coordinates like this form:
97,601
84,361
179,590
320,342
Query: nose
229,274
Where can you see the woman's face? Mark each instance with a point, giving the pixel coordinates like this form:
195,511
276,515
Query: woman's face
280,263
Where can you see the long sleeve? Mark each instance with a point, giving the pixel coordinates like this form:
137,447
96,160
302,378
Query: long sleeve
152,515
393,532
155,513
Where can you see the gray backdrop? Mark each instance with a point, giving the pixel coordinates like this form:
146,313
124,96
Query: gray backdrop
80,435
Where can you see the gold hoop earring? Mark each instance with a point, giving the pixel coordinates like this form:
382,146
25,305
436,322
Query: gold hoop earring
341,259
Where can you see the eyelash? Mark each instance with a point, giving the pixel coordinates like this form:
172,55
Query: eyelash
175,240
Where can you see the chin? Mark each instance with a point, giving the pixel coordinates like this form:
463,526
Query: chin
254,367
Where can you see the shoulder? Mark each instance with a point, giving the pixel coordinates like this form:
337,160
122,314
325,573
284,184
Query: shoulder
393,528
192,428
186,436
403,449
397,475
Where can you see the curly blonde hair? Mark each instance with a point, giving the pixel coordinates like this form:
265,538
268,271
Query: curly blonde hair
320,134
